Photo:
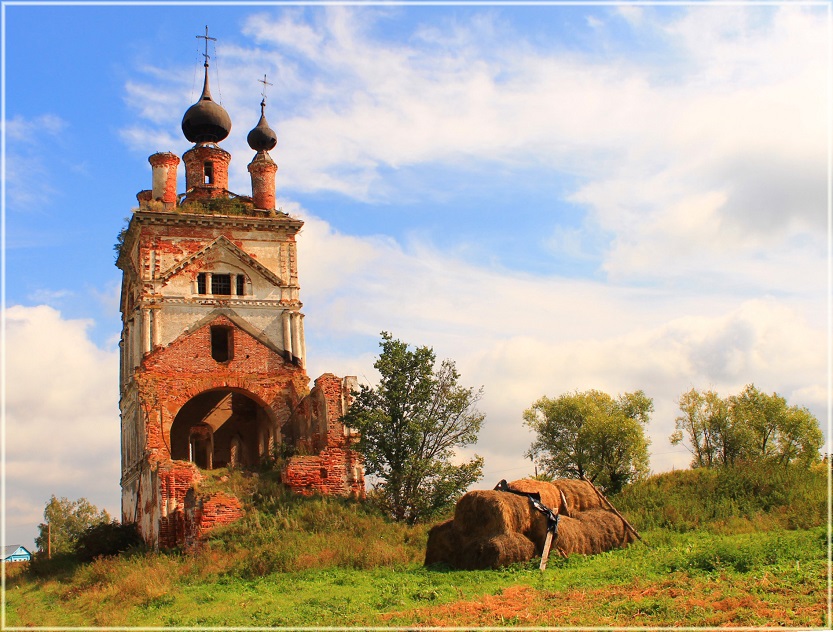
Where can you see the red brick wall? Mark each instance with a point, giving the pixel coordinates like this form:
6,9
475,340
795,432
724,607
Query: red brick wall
330,473
195,159
263,170
175,480
187,517
169,160
170,376
336,469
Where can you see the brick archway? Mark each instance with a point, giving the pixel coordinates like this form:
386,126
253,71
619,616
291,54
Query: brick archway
240,429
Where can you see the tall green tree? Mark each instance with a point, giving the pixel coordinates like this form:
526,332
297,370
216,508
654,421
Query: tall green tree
411,426
65,520
715,438
591,434
750,426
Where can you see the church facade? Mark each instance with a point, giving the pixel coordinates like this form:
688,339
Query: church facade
212,348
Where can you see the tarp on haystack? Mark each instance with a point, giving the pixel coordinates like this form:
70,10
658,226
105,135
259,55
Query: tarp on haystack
494,528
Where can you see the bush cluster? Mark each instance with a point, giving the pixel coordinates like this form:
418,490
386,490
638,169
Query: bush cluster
107,539
791,497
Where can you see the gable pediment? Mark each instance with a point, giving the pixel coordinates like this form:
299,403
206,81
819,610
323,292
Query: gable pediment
237,321
220,249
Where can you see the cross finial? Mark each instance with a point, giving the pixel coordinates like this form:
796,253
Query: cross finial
265,83
206,38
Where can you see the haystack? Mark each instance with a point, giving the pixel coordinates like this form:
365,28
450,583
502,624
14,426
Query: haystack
580,495
494,528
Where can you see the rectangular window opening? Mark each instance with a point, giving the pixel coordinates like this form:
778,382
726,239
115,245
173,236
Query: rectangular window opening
208,170
221,284
241,284
201,289
222,343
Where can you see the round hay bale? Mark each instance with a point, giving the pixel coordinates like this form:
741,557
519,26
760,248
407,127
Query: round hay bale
495,552
548,492
579,494
485,513
592,532
441,544
605,530
572,537
537,532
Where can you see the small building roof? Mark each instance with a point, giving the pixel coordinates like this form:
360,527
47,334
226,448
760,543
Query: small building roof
11,549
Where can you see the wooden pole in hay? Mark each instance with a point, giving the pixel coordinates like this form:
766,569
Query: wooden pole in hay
546,553
613,509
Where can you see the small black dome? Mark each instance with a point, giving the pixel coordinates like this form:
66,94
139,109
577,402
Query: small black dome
262,137
206,121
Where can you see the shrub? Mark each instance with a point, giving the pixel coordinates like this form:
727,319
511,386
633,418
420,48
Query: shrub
106,539
788,496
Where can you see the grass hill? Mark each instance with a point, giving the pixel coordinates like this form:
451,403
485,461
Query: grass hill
743,547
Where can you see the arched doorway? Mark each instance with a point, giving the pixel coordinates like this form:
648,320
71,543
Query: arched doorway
221,428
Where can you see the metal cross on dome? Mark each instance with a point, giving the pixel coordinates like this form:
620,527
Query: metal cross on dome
206,38
265,83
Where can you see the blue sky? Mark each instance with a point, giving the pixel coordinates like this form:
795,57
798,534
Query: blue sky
557,197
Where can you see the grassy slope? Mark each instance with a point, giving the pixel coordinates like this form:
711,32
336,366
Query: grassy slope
301,562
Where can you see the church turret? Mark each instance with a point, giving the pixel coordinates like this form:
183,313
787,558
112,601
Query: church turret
206,123
164,166
262,168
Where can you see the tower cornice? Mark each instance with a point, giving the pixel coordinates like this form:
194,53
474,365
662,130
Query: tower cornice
161,218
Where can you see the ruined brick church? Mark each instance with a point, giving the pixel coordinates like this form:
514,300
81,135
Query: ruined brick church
212,346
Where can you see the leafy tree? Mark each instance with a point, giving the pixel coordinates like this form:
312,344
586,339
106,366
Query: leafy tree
591,434
411,425
107,539
751,426
68,520
715,438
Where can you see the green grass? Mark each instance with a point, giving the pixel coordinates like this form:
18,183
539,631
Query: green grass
326,562
754,496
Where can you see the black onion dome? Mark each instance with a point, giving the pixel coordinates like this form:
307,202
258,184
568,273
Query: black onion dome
262,137
206,121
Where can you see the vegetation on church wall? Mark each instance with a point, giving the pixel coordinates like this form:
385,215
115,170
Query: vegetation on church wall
121,237
218,206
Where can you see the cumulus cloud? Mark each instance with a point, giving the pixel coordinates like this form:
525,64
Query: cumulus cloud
707,153
522,336
61,417
699,169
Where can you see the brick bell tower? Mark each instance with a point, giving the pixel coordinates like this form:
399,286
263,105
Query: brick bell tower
212,346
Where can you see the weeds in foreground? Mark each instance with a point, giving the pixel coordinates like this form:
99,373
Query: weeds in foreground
675,580
715,556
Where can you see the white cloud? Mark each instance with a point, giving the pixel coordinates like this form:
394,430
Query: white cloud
27,174
702,164
704,155
23,130
523,337
62,419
